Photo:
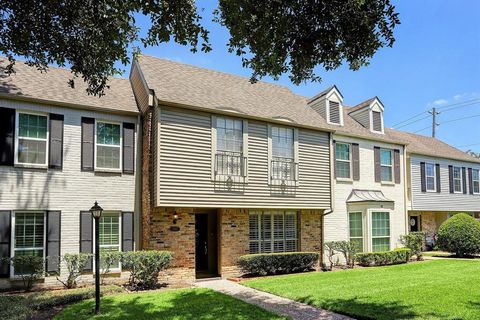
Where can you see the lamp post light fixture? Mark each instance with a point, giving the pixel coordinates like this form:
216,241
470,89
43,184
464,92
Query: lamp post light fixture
96,211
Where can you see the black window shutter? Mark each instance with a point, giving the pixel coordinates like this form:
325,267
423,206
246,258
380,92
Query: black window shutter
450,178
56,141
128,148
88,143
355,162
334,159
423,177
127,231
396,165
437,173
470,180
376,157
7,136
464,180
86,236
53,241
5,229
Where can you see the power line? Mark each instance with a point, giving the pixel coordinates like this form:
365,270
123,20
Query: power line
468,145
423,129
463,118
411,118
412,122
459,104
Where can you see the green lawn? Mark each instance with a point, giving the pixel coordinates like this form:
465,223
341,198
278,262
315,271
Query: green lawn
436,289
170,304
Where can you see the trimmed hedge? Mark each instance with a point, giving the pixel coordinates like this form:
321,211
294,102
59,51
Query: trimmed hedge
397,256
460,234
144,267
278,263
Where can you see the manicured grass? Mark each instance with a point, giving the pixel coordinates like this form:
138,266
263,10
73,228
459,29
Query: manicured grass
441,254
23,305
181,304
435,289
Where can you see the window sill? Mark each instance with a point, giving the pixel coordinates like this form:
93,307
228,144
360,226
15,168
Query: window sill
102,170
31,166
348,180
387,183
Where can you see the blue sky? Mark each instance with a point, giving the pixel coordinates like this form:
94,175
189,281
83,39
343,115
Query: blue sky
435,61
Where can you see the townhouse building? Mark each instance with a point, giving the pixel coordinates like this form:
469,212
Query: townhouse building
60,151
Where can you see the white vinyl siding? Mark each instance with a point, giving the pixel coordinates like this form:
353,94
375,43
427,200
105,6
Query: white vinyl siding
380,231
430,177
457,180
31,147
356,229
386,165
343,159
476,181
28,235
108,146
273,231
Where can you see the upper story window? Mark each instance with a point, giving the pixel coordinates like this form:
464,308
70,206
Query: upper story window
108,148
475,181
457,179
386,165
377,121
343,160
283,154
430,177
229,157
31,139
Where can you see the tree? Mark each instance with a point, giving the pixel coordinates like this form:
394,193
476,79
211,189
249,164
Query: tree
273,38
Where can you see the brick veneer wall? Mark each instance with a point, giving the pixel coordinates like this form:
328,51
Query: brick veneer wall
311,230
233,239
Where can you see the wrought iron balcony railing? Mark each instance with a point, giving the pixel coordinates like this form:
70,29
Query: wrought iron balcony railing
283,169
230,164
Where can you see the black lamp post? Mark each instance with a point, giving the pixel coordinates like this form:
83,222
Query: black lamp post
96,211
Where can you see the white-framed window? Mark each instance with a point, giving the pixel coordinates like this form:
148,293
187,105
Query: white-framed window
273,231
430,177
283,153
380,231
108,145
476,181
28,235
31,139
343,160
386,165
229,156
355,221
457,180
110,235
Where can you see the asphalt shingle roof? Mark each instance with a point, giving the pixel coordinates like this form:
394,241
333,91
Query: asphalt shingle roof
52,86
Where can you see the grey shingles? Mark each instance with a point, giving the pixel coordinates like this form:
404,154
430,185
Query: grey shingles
29,83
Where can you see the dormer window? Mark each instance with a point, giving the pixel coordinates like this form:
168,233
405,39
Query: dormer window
377,121
334,112
328,104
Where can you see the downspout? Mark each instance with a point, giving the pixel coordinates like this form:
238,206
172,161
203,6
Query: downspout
406,182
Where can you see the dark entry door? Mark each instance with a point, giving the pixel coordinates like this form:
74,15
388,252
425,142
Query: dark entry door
206,245
414,222
201,242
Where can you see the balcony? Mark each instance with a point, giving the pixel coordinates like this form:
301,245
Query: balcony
283,176
230,171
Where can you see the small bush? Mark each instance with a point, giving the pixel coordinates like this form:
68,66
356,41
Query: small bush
144,267
397,256
75,263
460,234
108,259
330,250
414,241
29,267
348,250
277,263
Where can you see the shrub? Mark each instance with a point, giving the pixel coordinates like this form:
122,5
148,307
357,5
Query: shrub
144,267
367,259
29,267
460,234
348,250
330,248
75,263
414,241
277,263
107,260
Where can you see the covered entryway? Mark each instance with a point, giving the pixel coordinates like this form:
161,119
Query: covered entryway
206,245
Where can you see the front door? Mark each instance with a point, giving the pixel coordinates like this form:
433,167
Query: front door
206,245
414,222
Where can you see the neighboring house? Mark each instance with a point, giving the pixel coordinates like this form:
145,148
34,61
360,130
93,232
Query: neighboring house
442,181
60,151
369,185
230,168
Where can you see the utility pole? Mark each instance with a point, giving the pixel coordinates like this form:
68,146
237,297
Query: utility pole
434,114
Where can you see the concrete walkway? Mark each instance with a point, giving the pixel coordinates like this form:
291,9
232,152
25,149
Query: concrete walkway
282,306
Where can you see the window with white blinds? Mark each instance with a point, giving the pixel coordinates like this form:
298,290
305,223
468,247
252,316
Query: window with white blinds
273,231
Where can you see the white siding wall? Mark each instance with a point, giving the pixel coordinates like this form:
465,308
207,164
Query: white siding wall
336,226
185,176
69,190
444,201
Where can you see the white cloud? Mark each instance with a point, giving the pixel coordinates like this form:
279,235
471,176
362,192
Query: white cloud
440,102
